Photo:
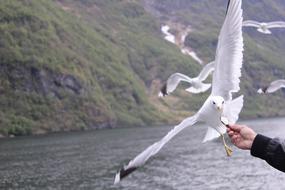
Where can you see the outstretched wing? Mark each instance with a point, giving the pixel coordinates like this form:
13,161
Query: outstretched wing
277,24
207,69
275,85
141,159
172,83
251,23
228,61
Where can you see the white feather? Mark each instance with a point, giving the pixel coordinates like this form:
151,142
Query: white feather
260,91
196,83
228,60
275,85
276,24
175,79
196,90
264,27
140,159
232,109
211,134
206,71
251,23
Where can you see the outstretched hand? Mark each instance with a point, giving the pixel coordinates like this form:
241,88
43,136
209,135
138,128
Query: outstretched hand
241,136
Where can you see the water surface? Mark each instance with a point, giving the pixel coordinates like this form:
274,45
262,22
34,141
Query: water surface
89,160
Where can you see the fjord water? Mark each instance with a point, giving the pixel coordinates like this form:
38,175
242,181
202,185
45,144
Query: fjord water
89,160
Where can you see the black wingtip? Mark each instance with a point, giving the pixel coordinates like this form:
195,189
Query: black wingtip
163,90
264,89
123,173
228,6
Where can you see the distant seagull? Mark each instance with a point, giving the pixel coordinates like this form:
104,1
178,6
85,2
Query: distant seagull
196,83
273,86
228,63
264,27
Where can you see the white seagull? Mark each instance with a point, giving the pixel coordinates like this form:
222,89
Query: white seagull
272,87
264,27
197,85
228,63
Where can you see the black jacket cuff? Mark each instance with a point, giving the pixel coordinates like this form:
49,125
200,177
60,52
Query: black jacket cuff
259,146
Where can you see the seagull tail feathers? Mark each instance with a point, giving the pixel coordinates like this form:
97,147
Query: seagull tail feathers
211,135
203,88
264,31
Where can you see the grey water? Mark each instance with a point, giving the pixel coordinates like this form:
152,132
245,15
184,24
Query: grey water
89,160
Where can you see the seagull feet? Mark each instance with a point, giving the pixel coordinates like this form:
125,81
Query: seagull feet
229,151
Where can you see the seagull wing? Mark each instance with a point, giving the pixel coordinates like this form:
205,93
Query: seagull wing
207,69
251,23
232,109
228,61
277,24
141,159
276,85
172,83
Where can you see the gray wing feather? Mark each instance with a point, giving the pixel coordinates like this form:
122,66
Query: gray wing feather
277,24
207,69
276,85
174,80
251,23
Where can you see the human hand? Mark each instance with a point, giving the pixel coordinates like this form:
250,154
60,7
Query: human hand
241,135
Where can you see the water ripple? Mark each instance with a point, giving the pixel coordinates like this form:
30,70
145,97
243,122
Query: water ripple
89,160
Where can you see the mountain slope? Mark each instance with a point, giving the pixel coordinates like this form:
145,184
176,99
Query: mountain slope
74,65
69,65
263,55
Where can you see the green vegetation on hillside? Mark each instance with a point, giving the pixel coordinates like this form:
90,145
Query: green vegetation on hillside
76,65
69,65
263,54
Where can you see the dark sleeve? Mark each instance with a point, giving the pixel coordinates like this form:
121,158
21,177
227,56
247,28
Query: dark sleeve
270,150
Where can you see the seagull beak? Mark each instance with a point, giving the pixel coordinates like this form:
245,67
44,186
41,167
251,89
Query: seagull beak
219,108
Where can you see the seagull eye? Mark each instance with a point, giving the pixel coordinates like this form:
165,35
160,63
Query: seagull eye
214,103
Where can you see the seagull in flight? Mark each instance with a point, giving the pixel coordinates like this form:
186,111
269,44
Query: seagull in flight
264,27
220,104
197,85
272,87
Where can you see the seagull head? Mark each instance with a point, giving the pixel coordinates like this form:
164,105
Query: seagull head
218,103
264,26
262,90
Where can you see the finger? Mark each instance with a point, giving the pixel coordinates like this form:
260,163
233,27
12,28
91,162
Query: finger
236,128
234,141
234,137
230,133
